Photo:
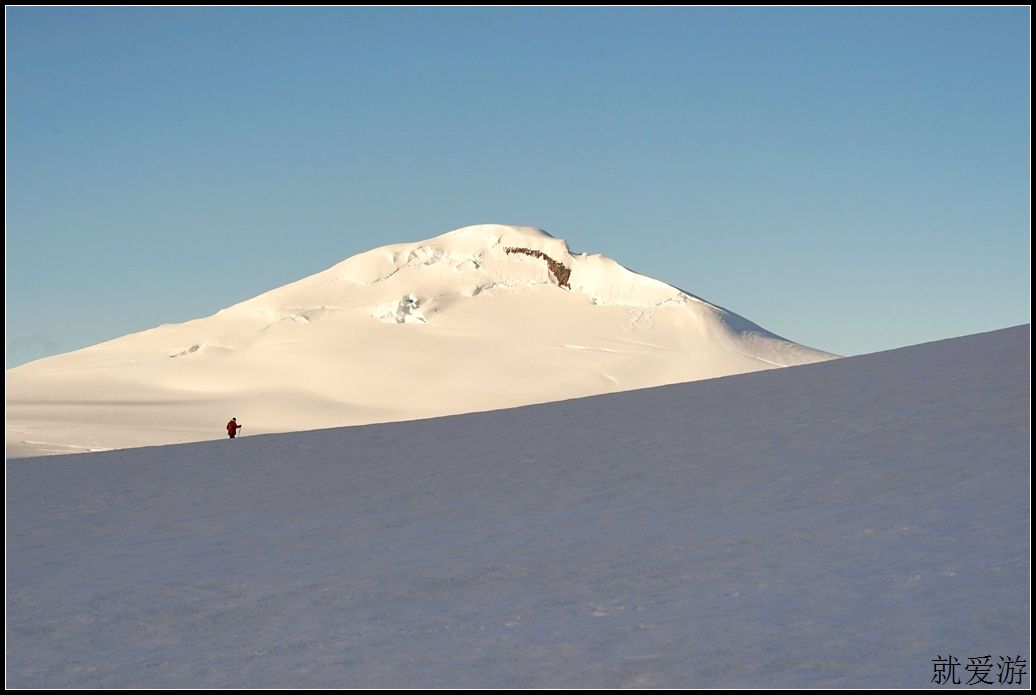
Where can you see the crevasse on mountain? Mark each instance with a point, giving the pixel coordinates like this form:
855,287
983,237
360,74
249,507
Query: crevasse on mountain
481,318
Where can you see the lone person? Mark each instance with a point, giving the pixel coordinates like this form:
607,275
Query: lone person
233,427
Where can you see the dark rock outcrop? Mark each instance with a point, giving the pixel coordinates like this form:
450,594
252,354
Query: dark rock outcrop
559,271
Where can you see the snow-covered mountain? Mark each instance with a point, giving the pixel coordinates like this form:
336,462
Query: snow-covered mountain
482,318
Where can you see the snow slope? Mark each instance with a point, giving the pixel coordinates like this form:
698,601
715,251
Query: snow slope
838,524
481,318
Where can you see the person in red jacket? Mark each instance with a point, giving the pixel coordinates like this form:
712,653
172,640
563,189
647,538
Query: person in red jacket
233,427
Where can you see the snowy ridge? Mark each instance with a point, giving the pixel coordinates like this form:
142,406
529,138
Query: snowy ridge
472,320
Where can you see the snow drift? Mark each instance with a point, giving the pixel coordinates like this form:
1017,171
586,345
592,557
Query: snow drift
482,318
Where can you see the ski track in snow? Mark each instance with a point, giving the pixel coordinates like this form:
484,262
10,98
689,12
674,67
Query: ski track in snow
839,524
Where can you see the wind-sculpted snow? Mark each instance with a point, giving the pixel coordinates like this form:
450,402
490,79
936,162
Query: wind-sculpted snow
473,320
842,524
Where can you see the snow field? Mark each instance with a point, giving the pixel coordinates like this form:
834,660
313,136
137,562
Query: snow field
830,525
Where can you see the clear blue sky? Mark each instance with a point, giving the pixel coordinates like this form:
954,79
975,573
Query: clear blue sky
852,179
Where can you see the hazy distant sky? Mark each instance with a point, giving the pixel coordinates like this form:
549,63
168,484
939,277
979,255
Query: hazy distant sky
851,179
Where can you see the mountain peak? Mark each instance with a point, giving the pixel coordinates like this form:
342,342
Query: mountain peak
480,318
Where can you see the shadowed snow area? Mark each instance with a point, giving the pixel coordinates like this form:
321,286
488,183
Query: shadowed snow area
835,524
481,318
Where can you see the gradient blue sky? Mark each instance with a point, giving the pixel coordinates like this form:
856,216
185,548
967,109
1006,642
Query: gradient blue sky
852,179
